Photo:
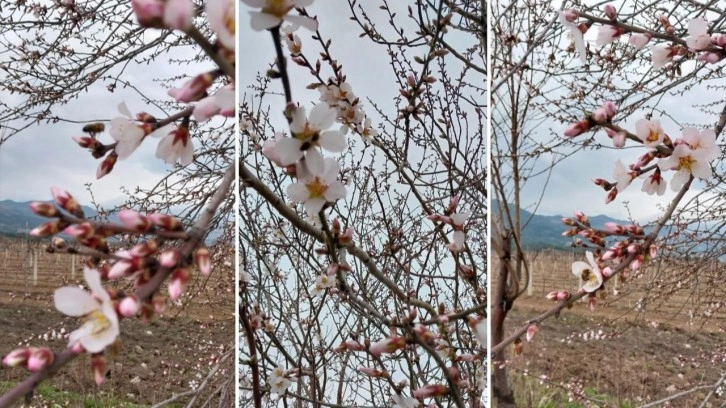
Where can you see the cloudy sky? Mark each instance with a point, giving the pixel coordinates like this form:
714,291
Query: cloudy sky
45,155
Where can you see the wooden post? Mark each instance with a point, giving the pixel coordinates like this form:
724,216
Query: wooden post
35,267
73,266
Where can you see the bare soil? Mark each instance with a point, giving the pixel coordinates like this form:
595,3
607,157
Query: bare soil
170,354
616,360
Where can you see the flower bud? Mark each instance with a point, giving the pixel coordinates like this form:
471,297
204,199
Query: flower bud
83,230
129,306
611,12
98,367
17,357
47,229
66,201
106,165
531,331
39,359
169,258
179,280
203,261
431,390
133,220
166,222
44,209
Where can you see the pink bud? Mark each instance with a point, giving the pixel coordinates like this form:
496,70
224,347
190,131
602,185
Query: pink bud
85,141
17,357
372,372
387,345
611,196
39,359
44,209
179,279
637,263
166,222
563,295
591,301
570,15
552,295
611,12
80,231
578,128
133,220
121,269
98,366
129,306
431,390
149,13
332,270
347,236
653,251
607,271
610,109
453,204
617,137
106,165
46,229
710,57
599,115
65,200
193,89
614,227
144,249
531,331
203,261
719,40
169,258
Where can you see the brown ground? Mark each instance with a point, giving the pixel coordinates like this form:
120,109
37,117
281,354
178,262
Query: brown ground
673,344
165,356
630,363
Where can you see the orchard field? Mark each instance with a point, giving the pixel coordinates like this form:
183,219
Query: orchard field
186,353
637,347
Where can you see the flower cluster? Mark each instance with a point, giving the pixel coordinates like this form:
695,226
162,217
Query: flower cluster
709,48
129,131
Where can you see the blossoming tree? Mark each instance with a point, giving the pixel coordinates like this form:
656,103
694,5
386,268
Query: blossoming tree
133,266
604,81
363,204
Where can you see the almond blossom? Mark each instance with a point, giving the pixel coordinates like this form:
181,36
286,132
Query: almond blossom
279,383
404,402
177,146
608,34
319,187
698,38
639,40
577,36
100,327
622,176
589,272
663,54
221,103
654,184
221,16
650,132
308,134
274,11
687,161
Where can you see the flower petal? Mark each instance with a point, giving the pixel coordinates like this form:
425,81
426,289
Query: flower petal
298,192
74,301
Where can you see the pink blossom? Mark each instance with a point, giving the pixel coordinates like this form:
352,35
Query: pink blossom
178,14
650,132
608,34
193,89
567,19
531,331
221,15
698,38
639,40
663,54
179,279
133,220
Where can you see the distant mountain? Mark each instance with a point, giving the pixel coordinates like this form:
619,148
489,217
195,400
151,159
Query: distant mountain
545,231
17,219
